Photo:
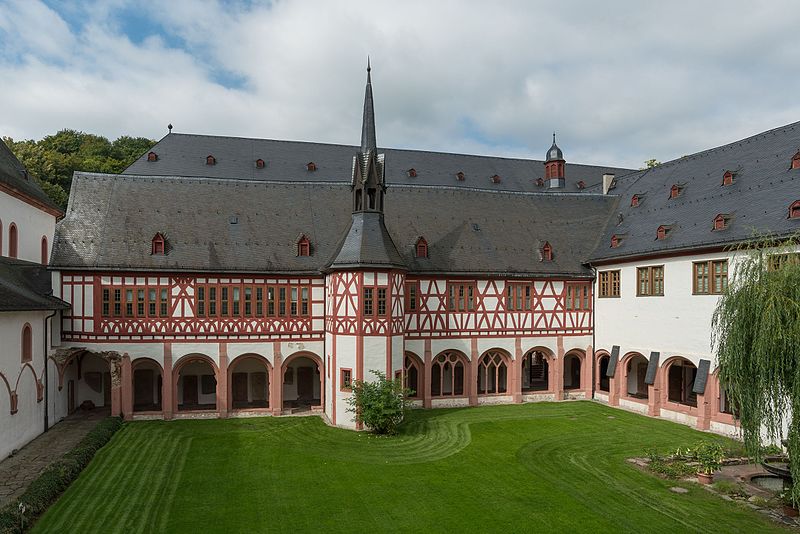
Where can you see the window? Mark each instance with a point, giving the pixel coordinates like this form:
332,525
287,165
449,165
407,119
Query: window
368,300
495,179
662,232
518,296
422,248
578,297
634,201
158,245
412,173
152,156
608,284
311,166
581,184
675,191
492,374
247,300
776,261
461,297
794,210
346,380
45,255
211,160
27,343
540,182
447,375
412,296
650,281
727,178
138,301
710,277
303,246
680,382
12,240
796,160
720,222
547,252
615,241
460,176
260,163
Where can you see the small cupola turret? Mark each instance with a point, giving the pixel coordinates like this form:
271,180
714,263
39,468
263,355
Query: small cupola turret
368,181
554,166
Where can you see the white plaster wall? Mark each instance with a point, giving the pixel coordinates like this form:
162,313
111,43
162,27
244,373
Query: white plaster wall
179,350
267,350
32,224
374,357
345,359
439,345
398,350
725,429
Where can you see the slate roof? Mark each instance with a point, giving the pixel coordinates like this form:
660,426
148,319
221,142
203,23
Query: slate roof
367,243
26,286
185,155
111,220
757,202
14,175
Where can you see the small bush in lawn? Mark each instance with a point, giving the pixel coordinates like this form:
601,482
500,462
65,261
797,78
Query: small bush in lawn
380,405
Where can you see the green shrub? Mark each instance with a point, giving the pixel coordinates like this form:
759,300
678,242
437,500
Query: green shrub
709,455
56,478
380,405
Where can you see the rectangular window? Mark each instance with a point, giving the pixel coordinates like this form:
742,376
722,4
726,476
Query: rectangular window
608,284
117,302
293,307
236,301
346,380
368,297
776,261
271,301
248,301
650,281
106,302
201,301
411,296
212,301
164,303
381,301
224,304
304,301
129,303
462,297
259,301
152,302
578,297
518,297
710,277
140,302
282,301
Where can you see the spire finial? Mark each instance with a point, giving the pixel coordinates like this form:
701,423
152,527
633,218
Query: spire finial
554,137
368,120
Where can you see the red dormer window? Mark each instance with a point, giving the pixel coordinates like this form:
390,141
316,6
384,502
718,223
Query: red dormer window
615,241
796,160
675,191
794,210
311,166
303,246
662,232
495,179
152,156
260,164
412,173
159,245
581,184
540,182
727,178
721,222
211,160
422,248
460,176
547,252
635,201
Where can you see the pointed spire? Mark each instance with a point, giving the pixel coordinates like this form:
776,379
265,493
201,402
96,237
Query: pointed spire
368,122
554,137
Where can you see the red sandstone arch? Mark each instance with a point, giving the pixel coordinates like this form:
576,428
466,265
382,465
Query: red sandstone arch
445,373
494,368
251,356
574,355
602,382
176,373
714,393
11,394
626,370
548,358
132,391
278,382
412,361
677,392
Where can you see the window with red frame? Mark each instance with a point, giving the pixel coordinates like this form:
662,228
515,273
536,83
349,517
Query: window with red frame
27,343
578,297
304,247
138,301
345,380
422,248
375,301
794,210
252,300
727,178
412,296
158,245
518,296
547,252
461,296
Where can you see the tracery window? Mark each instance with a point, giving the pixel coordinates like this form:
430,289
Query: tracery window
447,375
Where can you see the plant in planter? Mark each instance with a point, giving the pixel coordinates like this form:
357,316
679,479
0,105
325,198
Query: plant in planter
709,456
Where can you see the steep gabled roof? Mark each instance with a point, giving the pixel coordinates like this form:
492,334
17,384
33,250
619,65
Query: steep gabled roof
26,286
764,187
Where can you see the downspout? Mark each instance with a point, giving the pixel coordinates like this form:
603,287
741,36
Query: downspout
46,382
594,327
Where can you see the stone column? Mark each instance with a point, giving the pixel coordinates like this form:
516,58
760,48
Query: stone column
704,410
588,372
654,395
116,386
426,383
473,374
127,387
516,371
167,395
558,367
276,392
222,381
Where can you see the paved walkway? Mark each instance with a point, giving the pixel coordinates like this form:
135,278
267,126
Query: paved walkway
18,471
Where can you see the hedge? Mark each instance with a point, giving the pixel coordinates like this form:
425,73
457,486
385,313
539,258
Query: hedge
56,478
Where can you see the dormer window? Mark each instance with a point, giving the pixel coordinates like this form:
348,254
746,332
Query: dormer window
635,200
422,248
152,156
663,231
547,252
460,176
159,245
721,221
794,210
495,179
303,246
581,184
727,178
311,166
540,182
412,173
211,160
260,164
675,191
796,160
615,241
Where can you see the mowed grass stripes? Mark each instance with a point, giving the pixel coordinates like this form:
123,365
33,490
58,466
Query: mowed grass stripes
522,468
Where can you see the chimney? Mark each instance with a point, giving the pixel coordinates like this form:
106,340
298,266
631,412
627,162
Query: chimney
608,182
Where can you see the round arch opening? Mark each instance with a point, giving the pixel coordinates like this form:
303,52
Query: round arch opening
148,385
87,379
412,375
536,371
249,382
572,371
603,381
302,383
635,374
681,374
197,385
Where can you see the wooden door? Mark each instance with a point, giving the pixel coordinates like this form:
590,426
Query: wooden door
190,389
305,383
239,389
143,387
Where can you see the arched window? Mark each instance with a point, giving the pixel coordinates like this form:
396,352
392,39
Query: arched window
680,382
412,173
460,176
412,374
45,255
447,375
12,240
634,201
721,222
303,246
727,178
422,248
615,241
159,245
492,373
794,210
547,252
27,343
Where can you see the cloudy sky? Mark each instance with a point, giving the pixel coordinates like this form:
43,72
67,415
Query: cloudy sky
621,82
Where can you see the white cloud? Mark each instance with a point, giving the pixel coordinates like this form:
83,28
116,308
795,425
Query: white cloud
620,82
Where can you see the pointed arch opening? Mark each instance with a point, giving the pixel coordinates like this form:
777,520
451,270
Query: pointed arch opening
412,375
13,238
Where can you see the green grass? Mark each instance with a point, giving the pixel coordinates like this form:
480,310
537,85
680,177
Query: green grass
522,468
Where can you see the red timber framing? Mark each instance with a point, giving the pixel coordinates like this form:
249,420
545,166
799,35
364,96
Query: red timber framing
452,308
147,308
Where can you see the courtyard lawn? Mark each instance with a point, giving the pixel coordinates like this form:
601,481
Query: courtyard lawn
523,468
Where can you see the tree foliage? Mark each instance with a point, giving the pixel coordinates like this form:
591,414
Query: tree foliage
54,158
756,332
380,405
650,163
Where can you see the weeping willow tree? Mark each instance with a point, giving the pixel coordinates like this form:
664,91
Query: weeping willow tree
756,332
